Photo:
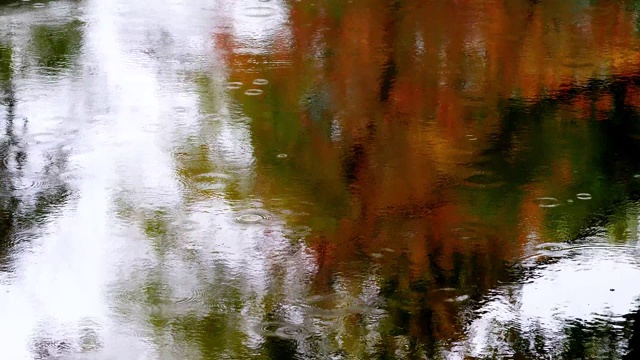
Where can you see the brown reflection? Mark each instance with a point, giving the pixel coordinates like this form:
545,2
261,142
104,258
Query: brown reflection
422,138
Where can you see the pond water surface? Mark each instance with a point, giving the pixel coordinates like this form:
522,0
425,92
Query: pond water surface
319,179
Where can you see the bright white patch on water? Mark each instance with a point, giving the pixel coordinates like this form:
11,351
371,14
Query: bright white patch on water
592,282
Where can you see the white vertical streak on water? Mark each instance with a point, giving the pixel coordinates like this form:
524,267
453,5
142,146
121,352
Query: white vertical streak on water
122,101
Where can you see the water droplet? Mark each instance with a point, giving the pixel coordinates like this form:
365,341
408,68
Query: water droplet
249,218
570,201
584,196
472,138
282,156
252,217
282,330
18,186
297,232
206,182
335,306
234,85
377,255
212,176
21,185
260,82
194,296
179,109
637,176
253,92
259,11
7,158
210,187
547,202
474,232
38,5
550,247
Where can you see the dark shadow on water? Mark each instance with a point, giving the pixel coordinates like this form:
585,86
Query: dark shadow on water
18,214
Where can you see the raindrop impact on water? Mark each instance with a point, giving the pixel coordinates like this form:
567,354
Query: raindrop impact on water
259,11
584,196
547,202
234,85
253,92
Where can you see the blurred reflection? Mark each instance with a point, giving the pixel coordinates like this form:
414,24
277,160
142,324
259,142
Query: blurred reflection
21,210
436,154
320,179
54,46
32,166
8,204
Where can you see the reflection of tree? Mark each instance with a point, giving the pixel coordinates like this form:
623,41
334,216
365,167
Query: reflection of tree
55,46
378,112
531,139
19,213
208,322
601,339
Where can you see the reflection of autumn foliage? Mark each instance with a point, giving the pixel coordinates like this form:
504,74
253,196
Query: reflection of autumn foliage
410,92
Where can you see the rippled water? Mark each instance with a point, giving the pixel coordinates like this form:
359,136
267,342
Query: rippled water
267,179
